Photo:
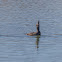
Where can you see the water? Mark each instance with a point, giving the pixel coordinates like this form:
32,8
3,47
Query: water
18,17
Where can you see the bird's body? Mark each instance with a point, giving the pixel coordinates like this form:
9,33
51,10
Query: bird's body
35,33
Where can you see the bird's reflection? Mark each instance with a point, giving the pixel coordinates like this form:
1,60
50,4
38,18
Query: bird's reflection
37,42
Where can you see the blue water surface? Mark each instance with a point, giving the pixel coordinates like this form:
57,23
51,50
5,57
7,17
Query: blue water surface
18,17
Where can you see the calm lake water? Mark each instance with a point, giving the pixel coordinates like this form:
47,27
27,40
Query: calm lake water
18,17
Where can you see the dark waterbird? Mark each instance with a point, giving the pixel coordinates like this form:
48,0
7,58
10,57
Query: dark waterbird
35,33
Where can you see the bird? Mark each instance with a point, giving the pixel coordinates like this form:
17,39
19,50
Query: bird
35,33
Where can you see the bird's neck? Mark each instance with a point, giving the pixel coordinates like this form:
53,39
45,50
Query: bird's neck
37,29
